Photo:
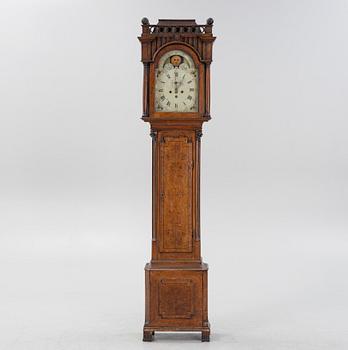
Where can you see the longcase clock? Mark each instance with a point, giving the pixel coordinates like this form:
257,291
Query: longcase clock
176,101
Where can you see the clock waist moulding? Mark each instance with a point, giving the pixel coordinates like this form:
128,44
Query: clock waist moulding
176,55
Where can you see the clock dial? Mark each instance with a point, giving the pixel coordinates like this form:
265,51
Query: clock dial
176,83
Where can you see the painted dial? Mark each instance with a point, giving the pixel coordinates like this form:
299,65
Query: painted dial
176,83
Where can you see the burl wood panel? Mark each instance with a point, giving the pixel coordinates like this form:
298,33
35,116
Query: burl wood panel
176,298
176,165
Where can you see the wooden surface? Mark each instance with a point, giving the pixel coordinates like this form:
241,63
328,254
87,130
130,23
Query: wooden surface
176,296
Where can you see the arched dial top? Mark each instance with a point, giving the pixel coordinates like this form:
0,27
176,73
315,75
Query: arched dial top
176,88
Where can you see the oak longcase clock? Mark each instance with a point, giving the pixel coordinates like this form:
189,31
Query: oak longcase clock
176,101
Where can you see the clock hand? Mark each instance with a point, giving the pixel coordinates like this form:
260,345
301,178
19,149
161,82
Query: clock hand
175,83
182,80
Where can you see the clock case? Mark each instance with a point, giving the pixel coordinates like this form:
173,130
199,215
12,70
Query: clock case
176,297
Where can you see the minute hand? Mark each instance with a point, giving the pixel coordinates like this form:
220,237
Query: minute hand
182,80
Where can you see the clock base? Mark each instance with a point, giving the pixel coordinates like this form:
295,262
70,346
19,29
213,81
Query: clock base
176,299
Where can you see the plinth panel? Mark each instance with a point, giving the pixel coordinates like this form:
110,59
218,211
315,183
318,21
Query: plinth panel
176,299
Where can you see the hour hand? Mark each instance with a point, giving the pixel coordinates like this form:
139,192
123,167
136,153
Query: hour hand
176,86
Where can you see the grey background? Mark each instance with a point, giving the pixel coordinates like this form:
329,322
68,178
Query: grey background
75,176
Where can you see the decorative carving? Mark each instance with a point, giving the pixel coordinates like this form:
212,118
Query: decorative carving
178,26
153,135
198,36
145,21
176,298
199,135
210,21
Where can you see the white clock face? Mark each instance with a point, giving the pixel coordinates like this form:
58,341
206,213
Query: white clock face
176,83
